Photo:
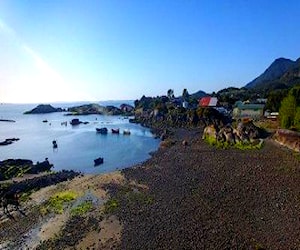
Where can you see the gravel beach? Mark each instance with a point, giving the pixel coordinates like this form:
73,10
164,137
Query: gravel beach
208,198
190,196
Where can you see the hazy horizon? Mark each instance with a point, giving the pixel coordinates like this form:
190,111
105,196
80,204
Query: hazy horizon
65,51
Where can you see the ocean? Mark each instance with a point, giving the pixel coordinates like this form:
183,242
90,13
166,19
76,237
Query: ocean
79,145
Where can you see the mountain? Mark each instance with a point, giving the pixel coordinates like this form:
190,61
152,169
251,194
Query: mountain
292,76
275,72
199,94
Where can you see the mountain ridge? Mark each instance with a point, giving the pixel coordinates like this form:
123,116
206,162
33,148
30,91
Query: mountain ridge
278,68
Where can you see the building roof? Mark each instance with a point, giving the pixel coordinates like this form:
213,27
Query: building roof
250,106
208,101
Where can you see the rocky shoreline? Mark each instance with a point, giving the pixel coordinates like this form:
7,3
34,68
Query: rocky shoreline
187,196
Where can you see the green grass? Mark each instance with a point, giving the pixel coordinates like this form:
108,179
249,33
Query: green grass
111,206
82,208
57,202
297,155
239,145
249,146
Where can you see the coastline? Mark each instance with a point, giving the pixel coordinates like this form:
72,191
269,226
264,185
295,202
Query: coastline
185,196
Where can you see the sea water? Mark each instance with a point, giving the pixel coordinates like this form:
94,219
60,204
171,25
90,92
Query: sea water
78,145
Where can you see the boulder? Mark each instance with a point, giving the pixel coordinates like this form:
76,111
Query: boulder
210,131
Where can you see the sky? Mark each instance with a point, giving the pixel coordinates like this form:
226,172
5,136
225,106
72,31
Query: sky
76,50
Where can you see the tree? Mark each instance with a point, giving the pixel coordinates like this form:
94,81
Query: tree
274,99
287,111
297,119
170,93
185,95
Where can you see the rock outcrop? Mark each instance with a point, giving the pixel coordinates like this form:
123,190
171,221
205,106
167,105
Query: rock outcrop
8,141
244,133
288,138
90,109
16,167
43,109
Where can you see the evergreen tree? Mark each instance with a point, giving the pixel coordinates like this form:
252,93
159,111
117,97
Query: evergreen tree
170,93
185,95
297,119
287,111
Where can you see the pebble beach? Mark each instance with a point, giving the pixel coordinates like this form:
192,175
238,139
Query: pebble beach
191,196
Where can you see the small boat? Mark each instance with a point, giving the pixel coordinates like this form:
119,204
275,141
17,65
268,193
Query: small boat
102,131
54,144
45,121
75,122
126,132
98,161
115,131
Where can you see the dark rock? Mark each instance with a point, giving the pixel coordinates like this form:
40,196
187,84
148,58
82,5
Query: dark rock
89,109
15,167
43,109
8,141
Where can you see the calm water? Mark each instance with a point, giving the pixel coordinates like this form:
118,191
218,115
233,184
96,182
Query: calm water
78,146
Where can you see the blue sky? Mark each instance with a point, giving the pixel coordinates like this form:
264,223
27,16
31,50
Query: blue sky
63,50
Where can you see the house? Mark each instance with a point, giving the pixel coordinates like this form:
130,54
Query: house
248,111
271,115
185,104
208,101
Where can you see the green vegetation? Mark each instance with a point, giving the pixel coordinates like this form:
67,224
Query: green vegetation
275,97
82,208
289,112
129,196
111,206
57,202
258,144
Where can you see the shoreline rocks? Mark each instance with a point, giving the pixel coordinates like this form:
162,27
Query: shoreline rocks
11,168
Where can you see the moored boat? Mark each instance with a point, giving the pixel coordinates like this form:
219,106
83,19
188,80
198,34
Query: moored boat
98,161
115,131
75,122
126,132
102,131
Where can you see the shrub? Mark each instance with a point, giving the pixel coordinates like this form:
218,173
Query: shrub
111,206
56,202
82,208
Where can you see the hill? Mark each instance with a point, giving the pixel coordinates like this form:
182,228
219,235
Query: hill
282,73
199,94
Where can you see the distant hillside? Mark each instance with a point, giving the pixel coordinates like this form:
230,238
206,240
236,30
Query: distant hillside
281,73
199,94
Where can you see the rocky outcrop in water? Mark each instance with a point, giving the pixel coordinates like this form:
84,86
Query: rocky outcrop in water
17,167
43,109
90,109
8,141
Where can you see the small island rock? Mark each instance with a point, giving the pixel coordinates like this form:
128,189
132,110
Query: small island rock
43,109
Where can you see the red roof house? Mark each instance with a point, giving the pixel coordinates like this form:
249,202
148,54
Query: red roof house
208,101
